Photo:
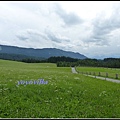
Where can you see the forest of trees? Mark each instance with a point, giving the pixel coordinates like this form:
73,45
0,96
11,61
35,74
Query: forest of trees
107,62
63,61
20,57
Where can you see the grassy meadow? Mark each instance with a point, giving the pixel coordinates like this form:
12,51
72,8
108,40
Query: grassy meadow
66,95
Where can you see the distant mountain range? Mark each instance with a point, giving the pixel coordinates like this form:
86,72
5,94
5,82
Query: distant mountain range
39,53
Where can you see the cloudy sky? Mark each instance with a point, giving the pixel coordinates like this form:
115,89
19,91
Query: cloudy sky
90,28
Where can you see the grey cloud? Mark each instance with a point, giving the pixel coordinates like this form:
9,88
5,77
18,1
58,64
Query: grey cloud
102,27
105,26
68,18
55,37
30,33
22,37
100,40
62,46
37,33
97,40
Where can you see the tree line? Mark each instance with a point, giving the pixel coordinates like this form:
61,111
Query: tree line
20,57
107,62
62,61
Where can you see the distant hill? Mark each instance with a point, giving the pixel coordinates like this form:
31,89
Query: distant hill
39,53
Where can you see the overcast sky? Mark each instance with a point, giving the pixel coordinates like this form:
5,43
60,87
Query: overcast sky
90,28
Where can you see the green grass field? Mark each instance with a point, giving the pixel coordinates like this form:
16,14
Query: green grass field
111,71
66,95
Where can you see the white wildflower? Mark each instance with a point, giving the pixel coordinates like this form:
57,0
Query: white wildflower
17,85
68,91
5,88
77,78
102,93
55,90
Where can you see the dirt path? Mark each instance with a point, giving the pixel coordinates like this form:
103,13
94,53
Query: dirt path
73,70
102,78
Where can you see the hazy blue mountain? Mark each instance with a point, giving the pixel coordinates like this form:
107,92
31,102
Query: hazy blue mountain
42,53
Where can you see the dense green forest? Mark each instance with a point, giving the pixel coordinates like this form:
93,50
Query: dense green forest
63,61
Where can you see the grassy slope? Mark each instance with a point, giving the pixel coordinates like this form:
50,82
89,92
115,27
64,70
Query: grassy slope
111,72
66,95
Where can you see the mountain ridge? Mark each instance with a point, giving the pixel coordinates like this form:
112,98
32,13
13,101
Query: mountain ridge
44,52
